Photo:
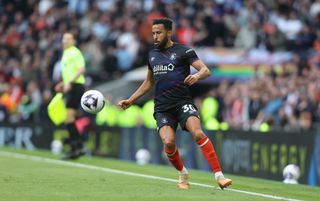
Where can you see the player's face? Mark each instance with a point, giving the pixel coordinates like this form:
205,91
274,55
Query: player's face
160,36
67,40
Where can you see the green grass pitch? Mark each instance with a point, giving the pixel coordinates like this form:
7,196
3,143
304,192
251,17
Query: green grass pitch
35,179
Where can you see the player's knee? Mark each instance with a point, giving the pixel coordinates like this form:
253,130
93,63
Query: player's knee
198,134
168,144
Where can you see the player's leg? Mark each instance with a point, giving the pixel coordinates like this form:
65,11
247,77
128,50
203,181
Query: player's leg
189,120
168,138
167,135
194,127
166,127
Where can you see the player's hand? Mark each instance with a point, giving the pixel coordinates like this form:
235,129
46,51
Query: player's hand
66,87
191,79
124,104
59,87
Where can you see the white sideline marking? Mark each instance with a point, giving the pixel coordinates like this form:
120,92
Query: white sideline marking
103,169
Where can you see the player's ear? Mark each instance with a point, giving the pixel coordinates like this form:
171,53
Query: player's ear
169,33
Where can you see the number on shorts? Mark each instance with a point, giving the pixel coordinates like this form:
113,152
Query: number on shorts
188,107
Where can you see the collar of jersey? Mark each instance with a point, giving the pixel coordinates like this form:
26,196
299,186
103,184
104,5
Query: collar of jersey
166,48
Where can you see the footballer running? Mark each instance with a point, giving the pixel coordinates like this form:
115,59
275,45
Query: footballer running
169,72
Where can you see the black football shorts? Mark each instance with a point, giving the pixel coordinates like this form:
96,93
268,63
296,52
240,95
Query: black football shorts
73,97
178,114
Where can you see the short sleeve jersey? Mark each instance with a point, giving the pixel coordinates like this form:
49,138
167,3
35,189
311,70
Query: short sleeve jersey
170,67
72,59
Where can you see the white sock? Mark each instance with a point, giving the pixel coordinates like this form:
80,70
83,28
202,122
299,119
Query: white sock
183,171
218,175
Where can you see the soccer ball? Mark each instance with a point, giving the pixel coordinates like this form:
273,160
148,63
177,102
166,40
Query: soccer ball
92,101
143,156
291,174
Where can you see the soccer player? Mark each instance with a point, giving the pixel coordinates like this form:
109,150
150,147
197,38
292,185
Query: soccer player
72,85
169,70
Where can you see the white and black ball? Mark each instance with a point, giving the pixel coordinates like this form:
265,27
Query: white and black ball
92,101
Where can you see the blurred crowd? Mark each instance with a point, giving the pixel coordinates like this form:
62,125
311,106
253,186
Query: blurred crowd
274,101
115,36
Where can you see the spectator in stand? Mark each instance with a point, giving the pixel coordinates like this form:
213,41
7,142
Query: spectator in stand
247,37
110,63
304,39
255,105
276,40
316,43
185,32
30,102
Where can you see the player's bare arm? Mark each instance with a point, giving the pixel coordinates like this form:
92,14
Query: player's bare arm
203,72
143,89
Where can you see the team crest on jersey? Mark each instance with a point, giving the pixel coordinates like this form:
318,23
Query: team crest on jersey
173,56
152,58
